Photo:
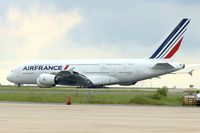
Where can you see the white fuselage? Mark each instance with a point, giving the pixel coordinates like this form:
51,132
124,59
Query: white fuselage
99,71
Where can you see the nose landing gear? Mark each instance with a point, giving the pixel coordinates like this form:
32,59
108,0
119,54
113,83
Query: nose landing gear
18,84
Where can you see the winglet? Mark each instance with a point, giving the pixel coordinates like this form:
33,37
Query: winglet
173,41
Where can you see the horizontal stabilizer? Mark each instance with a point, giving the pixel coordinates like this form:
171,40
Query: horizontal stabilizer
190,72
189,69
162,66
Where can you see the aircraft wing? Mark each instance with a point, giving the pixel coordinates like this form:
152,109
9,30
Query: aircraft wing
65,73
71,77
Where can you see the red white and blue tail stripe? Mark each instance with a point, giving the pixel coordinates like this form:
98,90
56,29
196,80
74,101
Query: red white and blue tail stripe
173,41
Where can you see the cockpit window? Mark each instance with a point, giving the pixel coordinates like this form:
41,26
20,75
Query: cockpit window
16,69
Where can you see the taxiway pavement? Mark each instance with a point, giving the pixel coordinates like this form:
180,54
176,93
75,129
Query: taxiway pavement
58,118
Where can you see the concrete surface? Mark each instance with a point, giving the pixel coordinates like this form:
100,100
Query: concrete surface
58,118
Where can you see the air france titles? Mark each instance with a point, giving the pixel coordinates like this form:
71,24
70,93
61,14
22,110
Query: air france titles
26,68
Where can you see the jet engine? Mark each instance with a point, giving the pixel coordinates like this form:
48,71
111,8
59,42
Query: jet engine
47,80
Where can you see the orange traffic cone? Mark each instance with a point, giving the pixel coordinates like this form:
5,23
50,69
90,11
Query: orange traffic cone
68,101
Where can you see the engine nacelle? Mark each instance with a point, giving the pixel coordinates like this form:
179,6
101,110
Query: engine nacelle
47,80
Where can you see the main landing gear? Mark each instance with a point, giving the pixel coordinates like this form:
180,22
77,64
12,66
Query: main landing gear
95,86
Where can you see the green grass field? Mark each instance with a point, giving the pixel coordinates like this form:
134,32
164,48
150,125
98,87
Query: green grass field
100,96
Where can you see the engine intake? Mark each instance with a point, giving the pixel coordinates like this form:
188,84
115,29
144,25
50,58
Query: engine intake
47,80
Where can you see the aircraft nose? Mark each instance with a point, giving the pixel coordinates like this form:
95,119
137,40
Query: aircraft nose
9,77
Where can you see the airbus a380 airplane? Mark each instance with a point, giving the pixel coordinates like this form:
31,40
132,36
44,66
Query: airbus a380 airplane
101,72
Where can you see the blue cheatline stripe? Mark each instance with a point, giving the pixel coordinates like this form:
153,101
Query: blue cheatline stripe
173,40
168,38
166,52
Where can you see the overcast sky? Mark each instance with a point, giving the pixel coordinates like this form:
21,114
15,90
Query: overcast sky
79,29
